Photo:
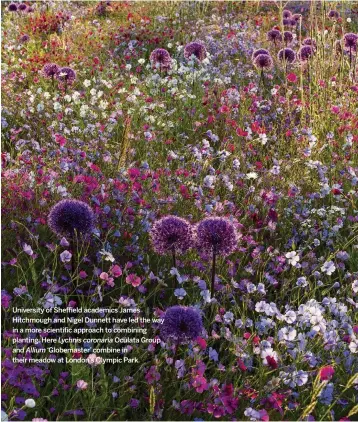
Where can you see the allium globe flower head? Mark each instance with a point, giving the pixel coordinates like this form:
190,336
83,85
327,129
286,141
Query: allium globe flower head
50,70
263,62
286,14
259,51
289,22
22,7
333,14
305,53
71,217
274,35
67,75
160,57
181,324
24,38
296,17
350,40
287,37
196,49
12,7
287,55
216,235
311,42
171,234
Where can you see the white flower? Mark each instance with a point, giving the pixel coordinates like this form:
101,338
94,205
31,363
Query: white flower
87,83
30,403
287,333
328,267
107,255
355,286
292,258
252,175
94,360
268,352
353,346
209,182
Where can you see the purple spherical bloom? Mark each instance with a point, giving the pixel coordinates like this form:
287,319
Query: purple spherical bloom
196,49
66,74
181,324
259,51
12,7
171,234
24,38
160,57
286,14
350,40
50,70
288,37
22,7
263,62
287,55
333,14
305,53
70,217
296,17
217,235
310,41
274,35
289,22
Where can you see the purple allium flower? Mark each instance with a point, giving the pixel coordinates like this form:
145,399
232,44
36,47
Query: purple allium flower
286,14
171,233
287,54
50,70
305,53
216,235
161,57
310,41
289,22
274,35
24,38
259,51
333,14
196,49
263,62
66,74
12,7
296,17
181,324
287,37
22,7
350,40
71,216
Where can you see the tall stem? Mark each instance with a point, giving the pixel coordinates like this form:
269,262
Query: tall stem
174,257
213,273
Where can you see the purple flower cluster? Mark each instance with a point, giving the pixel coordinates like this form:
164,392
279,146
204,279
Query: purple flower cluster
181,324
160,57
50,70
287,55
70,217
196,49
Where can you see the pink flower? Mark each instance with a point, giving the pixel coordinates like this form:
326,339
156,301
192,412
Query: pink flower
200,384
116,271
291,77
104,276
201,342
81,385
133,279
152,375
326,373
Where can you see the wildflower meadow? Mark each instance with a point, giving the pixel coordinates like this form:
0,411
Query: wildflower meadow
179,210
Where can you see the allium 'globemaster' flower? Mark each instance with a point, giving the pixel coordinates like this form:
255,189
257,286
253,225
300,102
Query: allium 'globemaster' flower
196,49
66,74
24,38
274,35
287,37
296,17
71,216
287,55
160,57
263,62
333,14
12,7
216,235
50,70
286,14
22,7
311,42
171,233
305,53
259,51
181,324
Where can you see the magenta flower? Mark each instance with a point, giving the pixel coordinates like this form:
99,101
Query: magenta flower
196,49
133,279
200,384
326,373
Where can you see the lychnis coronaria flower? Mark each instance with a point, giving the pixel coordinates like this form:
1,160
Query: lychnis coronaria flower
50,70
160,57
181,324
71,217
196,49
263,62
287,55
171,234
